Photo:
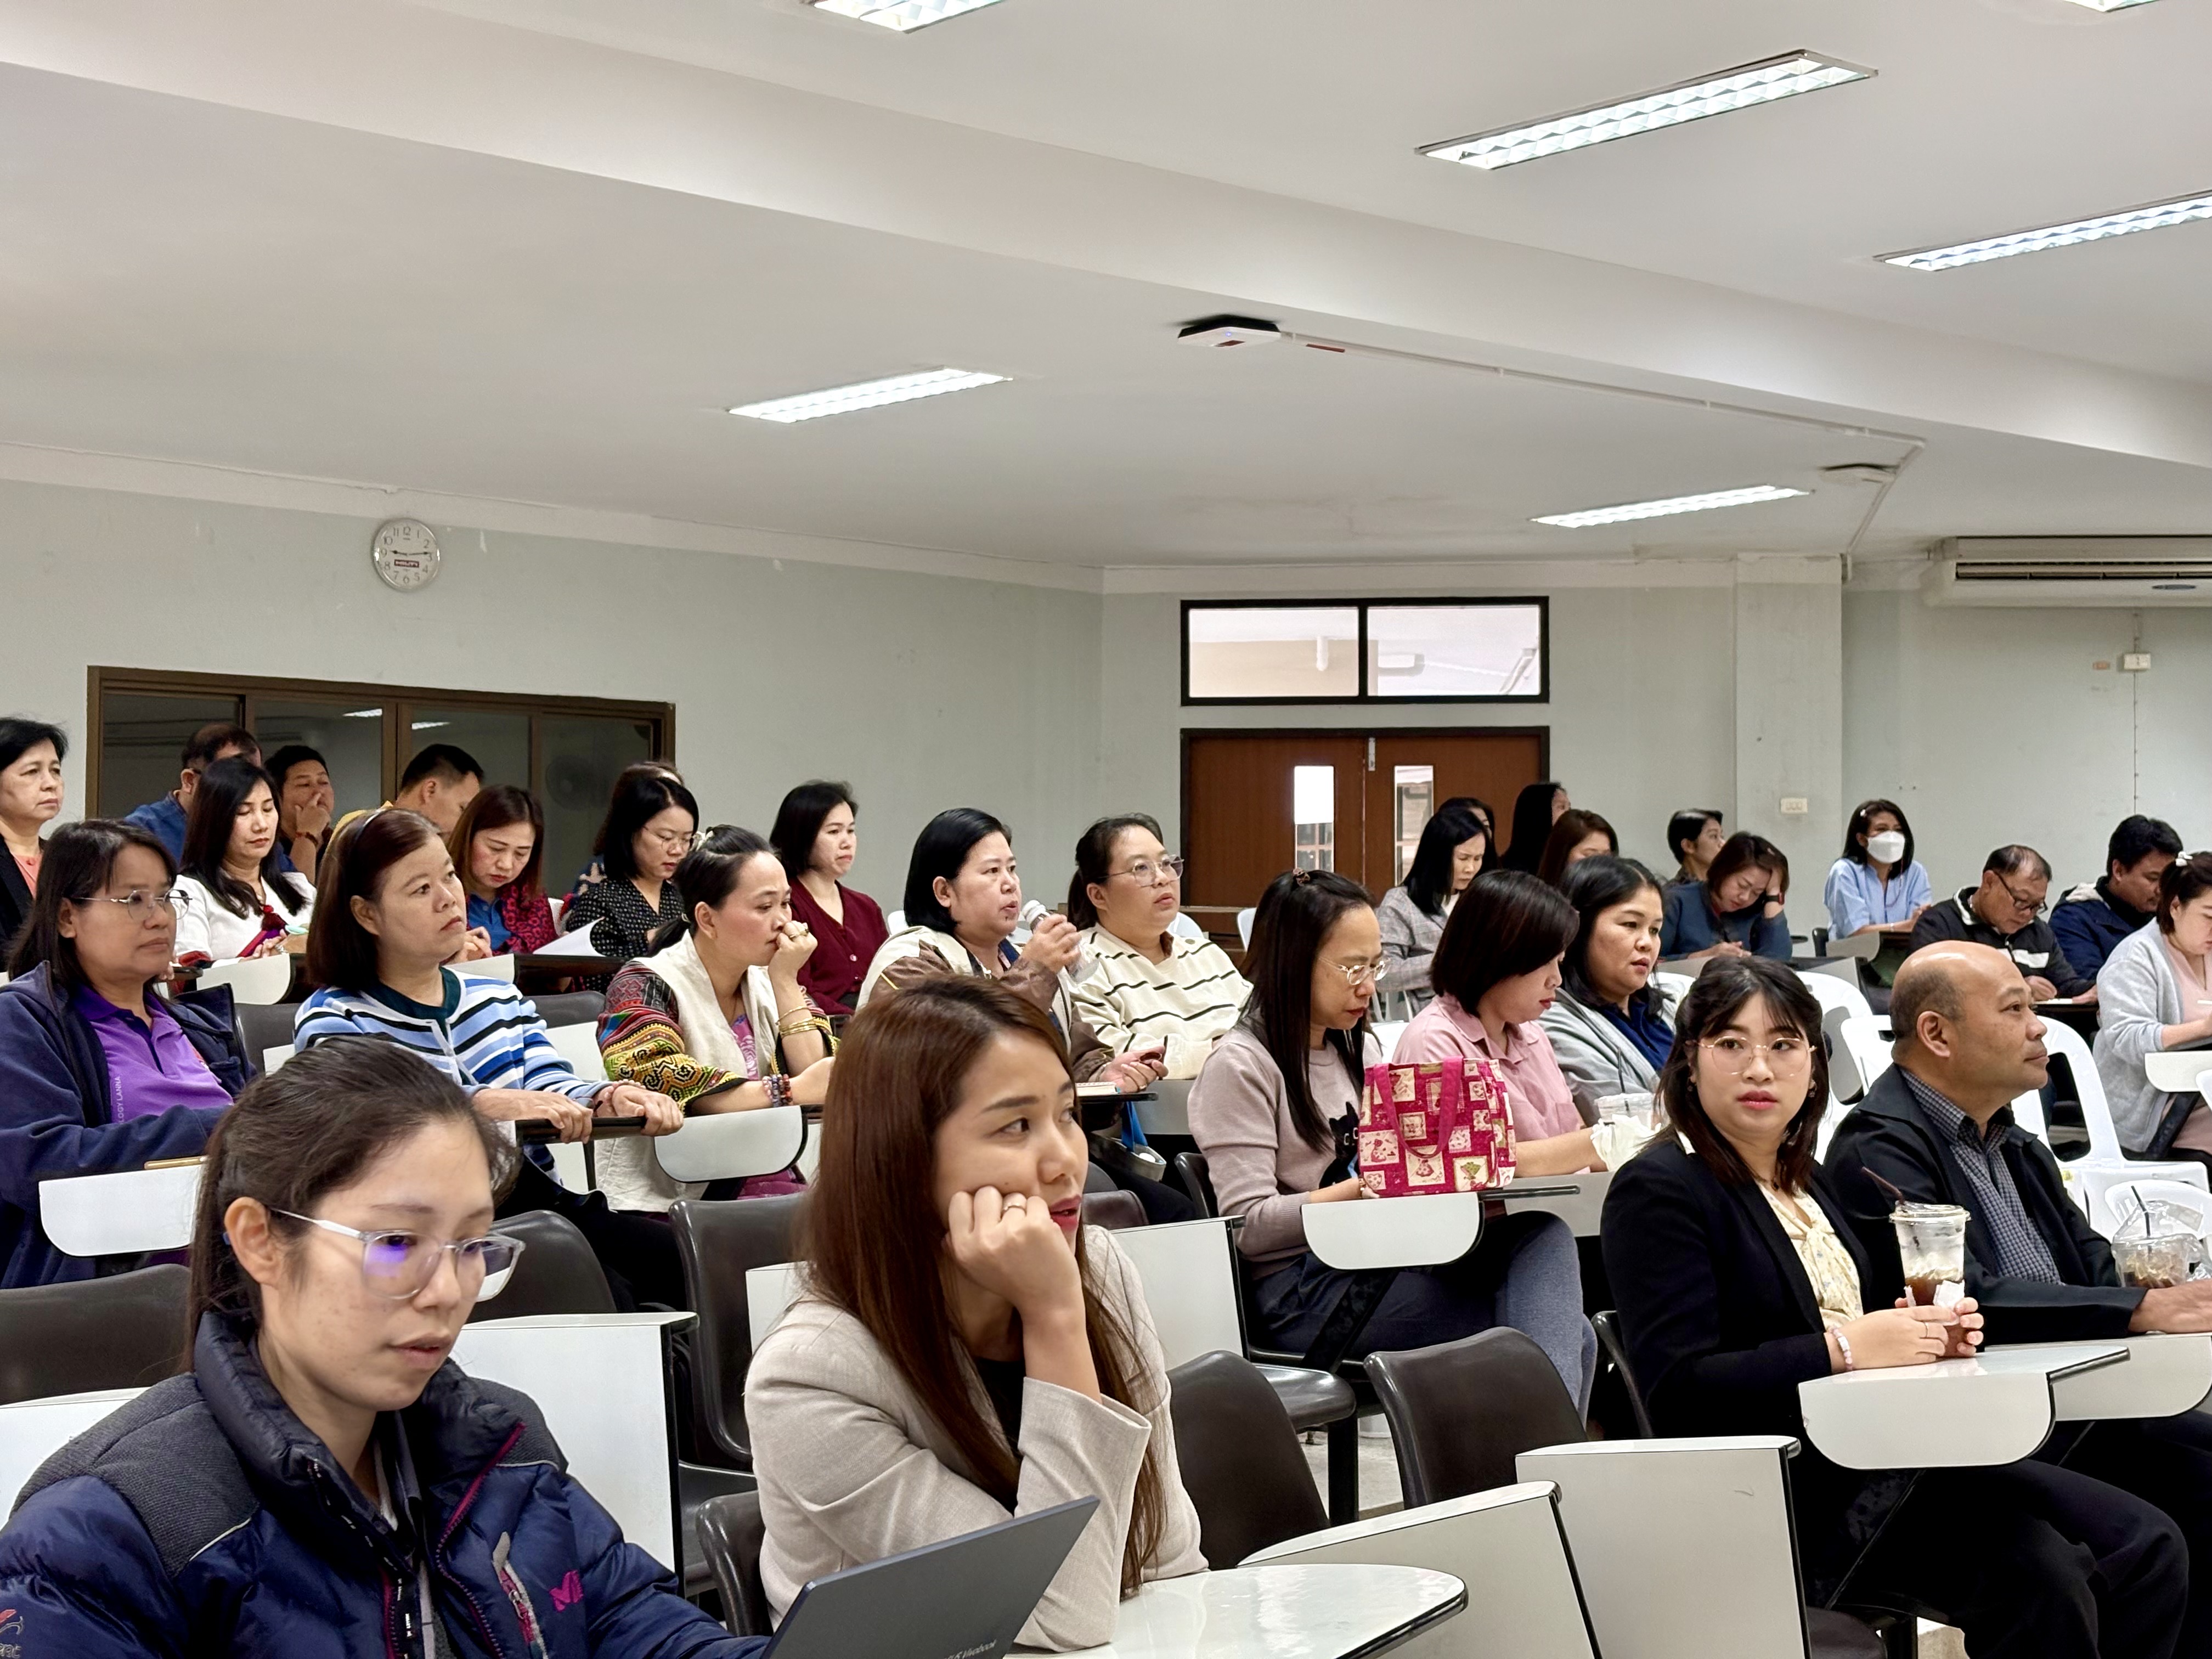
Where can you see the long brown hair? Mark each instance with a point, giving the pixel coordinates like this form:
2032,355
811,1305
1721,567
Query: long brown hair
496,808
872,1239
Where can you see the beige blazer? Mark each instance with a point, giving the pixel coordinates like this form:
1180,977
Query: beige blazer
852,1469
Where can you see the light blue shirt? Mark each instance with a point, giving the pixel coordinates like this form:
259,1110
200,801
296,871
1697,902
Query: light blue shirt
1857,897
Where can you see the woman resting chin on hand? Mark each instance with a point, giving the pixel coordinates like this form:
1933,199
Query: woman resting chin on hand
965,1350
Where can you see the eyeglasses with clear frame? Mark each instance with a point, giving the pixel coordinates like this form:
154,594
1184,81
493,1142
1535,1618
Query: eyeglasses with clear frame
675,840
138,903
1783,1055
1357,974
1146,874
396,1264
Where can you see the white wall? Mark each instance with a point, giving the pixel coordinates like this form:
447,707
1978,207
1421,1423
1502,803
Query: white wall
1998,725
924,691
1642,713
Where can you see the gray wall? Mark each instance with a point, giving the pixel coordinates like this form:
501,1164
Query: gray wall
1994,725
924,691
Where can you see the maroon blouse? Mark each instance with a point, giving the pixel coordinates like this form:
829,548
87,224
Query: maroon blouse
843,950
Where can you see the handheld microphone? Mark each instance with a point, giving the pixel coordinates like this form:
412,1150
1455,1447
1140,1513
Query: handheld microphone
1035,910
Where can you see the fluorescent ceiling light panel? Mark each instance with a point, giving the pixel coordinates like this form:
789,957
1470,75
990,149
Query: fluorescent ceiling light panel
868,394
1711,95
904,16
1673,504
2156,216
2110,5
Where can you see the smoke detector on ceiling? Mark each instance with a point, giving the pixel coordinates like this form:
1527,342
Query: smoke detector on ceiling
1229,332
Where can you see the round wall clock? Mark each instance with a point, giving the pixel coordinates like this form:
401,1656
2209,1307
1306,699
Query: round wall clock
406,555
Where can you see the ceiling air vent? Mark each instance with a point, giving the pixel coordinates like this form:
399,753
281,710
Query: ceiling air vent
2072,570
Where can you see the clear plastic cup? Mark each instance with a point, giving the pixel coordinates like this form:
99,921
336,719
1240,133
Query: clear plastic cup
2156,1263
1932,1240
1635,1108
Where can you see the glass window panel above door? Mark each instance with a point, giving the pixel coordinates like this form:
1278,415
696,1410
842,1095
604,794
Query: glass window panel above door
141,734
496,740
1289,651
582,754
348,735
1456,650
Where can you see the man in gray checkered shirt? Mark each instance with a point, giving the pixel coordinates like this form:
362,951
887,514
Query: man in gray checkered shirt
1937,1129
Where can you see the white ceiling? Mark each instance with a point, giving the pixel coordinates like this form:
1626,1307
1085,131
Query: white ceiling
538,270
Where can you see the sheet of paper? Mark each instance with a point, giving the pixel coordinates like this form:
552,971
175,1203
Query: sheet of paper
578,944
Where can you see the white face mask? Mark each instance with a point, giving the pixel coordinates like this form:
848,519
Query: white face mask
1886,847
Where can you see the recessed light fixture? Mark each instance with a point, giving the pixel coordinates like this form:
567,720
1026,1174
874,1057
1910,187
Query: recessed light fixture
2156,216
1583,519
1693,100
907,15
867,394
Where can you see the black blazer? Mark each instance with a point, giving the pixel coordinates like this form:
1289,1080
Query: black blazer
1888,1134
1722,1327
15,904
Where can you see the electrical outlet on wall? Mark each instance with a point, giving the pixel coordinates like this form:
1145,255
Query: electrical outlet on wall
1795,806
2135,662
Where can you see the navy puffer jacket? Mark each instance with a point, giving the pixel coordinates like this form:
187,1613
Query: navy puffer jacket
204,1519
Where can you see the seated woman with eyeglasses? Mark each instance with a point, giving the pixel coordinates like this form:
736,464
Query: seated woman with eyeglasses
1276,1112
1148,984
650,825
325,1479
1738,1279
98,1071
392,911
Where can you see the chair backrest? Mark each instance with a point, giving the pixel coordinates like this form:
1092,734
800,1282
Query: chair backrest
2126,1203
1188,1270
730,1533
261,981
1507,1546
579,1045
262,1026
127,1331
1615,1345
1459,1412
1867,1039
717,1241
1244,925
557,1274
1195,1176
1677,986
1684,1547
1184,927
2062,1040
1116,1210
1240,1461
1833,992
896,920
498,966
1387,1033
570,1007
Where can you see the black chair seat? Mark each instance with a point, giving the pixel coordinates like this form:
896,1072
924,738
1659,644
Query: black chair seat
718,1241
696,1487
1461,1413
1115,1210
1314,1398
262,1027
127,1331
1839,1636
557,1274
732,1530
1241,1461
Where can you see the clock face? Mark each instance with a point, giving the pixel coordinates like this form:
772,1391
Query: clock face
406,555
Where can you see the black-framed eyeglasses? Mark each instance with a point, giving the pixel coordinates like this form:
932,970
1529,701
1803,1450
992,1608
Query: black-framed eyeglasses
398,1264
2032,906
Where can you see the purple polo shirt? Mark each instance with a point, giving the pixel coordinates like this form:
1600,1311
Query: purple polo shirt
149,1069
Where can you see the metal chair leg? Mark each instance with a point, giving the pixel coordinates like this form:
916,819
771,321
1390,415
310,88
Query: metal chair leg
1344,1471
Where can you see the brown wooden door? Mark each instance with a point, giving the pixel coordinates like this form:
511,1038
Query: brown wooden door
1258,803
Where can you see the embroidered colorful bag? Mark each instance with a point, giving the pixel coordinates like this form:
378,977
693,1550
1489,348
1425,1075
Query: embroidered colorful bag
1437,1126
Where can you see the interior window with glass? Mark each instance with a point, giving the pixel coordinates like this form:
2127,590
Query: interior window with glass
1354,651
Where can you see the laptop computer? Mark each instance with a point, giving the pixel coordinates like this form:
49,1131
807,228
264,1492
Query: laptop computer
966,1598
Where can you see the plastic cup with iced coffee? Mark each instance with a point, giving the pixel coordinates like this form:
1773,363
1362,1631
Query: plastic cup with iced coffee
2156,1263
1932,1240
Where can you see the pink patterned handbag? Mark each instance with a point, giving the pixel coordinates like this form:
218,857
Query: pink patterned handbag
1437,1126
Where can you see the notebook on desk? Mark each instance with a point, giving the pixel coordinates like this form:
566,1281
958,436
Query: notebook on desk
966,1598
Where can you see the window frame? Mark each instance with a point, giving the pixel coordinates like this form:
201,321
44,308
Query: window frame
1363,697
397,702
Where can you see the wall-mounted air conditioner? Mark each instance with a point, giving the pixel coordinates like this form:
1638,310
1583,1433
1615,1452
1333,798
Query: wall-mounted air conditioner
2134,571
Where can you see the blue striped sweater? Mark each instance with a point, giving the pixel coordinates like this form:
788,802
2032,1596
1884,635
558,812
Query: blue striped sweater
488,1036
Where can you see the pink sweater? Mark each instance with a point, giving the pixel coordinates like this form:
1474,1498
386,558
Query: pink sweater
1543,1103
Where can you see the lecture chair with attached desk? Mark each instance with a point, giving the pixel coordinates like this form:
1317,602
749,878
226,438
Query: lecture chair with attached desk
1474,1415
87,1335
719,1243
